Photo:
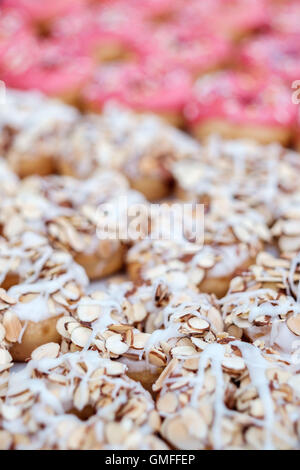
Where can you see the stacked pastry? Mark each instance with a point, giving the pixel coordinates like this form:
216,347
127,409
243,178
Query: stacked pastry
195,344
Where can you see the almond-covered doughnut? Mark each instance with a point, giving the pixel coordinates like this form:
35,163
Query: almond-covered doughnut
31,126
265,177
88,218
76,401
41,284
286,229
141,146
232,237
240,105
231,396
143,327
262,305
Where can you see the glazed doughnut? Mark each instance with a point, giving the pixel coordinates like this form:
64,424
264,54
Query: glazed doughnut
232,237
31,126
150,87
237,105
76,401
261,176
140,146
41,285
69,212
231,396
143,327
262,305
273,54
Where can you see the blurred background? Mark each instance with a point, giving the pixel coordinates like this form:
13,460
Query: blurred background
225,66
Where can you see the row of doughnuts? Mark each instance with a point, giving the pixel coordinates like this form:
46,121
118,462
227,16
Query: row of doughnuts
210,330
163,57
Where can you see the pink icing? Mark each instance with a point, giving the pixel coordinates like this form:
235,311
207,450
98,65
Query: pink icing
40,10
12,25
227,17
85,30
141,87
241,98
274,53
196,50
29,64
285,17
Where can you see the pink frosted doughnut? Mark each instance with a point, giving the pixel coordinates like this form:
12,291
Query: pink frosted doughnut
285,17
12,25
195,50
278,54
159,11
103,32
232,18
44,66
38,10
239,105
142,88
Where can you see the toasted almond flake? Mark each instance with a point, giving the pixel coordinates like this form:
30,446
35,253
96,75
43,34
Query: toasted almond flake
49,350
62,324
81,396
115,368
5,357
198,324
88,313
80,336
12,325
115,345
2,332
293,324
10,412
6,298
233,364
183,351
140,340
157,358
139,312
206,262
167,403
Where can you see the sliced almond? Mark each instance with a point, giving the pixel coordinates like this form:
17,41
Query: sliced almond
233,364
293,324
115,345
80,336
140,340
49,350
12,325
198,324
88,313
